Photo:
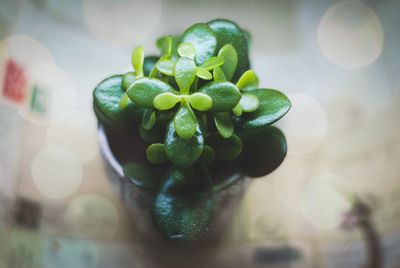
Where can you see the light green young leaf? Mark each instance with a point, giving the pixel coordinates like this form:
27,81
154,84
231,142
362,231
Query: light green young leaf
224,124
166,67
185,122
203,73
249,102
156,153
165,101
128,79
200,101
123,103
137,61
165,44
219,75
149,119
248,80
229,55
186,50
212,62
237,110
185,73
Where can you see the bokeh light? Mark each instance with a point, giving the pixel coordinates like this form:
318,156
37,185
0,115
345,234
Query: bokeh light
350,35
123,22
56,172
92,215
1,177
305,126
325,199
76,131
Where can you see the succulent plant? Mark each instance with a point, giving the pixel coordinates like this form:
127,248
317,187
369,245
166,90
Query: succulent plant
198,110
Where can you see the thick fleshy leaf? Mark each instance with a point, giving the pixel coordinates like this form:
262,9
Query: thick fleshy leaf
138,60
146,176
229,55
225,95
143,91
224,125
225,149
207,156
185,73
249,102
185,122
203,73
166,67
149,63
212,62
182,152
229,32
263,150
168,46
273,105
237,110
182,176
149,119
204,39
187,50
124,102
128,79
219,75
166,101
248,80
186,213
200,101
156,153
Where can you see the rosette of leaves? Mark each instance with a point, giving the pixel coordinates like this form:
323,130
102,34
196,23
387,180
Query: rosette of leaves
199,114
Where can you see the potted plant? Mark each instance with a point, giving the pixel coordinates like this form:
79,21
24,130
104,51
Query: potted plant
184,127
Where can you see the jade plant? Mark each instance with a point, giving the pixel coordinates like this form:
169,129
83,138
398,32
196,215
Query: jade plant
190,122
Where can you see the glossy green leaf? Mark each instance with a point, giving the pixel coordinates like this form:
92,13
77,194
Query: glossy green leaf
183,152
207,156
143,91
212,62
128,79
124,102
219,75
200,101
187,50
185,122
156,153
185,73
229,55
224,125
149,63
138,60
249,102
273,105
166,67
146,176
185,214
248,80
149,119
225,95
203,73
182,176
204,39
225,149
237,110
229,32
166,101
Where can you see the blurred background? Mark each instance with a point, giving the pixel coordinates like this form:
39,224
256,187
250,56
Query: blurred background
338,62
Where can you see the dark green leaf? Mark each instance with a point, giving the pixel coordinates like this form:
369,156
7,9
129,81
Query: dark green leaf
185,122
225,95
156,153
149,63
128,79
225,149
185,73
182,152
149,119
207,156
182,176
224,125
146,176
203,39
229,55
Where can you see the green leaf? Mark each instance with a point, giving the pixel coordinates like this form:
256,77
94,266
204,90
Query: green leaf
229,55
128,79
273,105
219,75
249,102
204,39
237,110
224,125
200,101
207,156
156,153
149,63
248,80
225,149
137,61
166,67
182,176
225,95
149,119
185,122
143,91
183,152
185,73
203,73
229,32
124,102
146,176
165,101
186,50
185,214
212,62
